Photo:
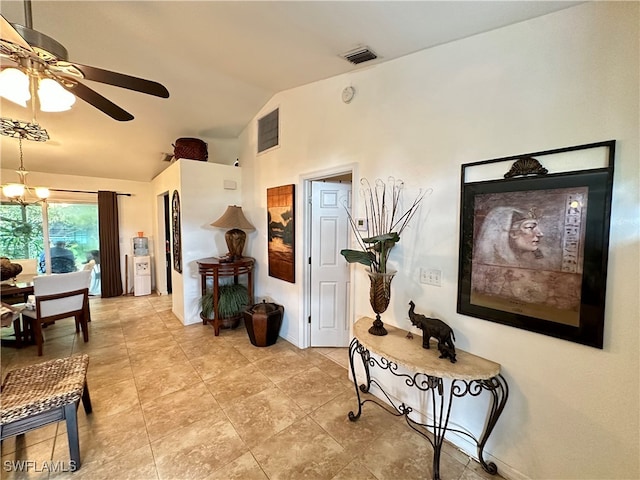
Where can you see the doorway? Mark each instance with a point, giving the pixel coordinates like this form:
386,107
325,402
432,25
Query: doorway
327,231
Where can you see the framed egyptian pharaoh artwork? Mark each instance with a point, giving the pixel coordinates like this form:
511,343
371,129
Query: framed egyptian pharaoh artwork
281,232
533,244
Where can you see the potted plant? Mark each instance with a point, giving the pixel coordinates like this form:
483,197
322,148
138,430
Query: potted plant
232,299
385,222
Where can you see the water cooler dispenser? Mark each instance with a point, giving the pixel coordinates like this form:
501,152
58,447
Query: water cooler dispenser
141,266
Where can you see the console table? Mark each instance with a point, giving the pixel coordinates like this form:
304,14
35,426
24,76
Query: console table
216,268
470,375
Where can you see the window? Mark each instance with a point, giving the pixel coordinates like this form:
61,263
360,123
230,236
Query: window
72,229
20,231
268,131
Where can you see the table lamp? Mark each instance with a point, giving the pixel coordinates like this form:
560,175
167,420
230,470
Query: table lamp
234,219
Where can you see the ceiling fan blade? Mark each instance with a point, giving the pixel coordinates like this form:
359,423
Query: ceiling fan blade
10,34
121,80
101,103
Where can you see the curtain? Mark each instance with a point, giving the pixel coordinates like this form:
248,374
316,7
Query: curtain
109,234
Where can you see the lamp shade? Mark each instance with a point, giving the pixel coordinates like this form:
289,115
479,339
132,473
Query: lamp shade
234,219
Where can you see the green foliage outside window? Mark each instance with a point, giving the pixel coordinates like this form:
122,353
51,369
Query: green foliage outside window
20,231
21,234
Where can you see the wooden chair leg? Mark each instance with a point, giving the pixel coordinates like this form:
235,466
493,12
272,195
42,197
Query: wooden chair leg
72,435
18,332
27,330
85,328
36,328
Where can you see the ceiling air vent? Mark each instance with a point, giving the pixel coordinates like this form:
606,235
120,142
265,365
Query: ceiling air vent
360,55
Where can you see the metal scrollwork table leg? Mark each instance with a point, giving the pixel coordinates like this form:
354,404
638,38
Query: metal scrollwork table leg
441,402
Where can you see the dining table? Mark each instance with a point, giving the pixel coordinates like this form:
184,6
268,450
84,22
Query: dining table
9,291
16,288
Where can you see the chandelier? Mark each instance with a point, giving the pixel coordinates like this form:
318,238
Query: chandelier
20,192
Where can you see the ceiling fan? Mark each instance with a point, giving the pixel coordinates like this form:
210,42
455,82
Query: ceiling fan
41,57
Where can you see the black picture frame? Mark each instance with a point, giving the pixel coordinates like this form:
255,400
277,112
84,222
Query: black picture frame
534,245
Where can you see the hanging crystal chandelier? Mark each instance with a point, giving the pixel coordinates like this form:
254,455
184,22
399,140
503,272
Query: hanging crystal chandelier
20,192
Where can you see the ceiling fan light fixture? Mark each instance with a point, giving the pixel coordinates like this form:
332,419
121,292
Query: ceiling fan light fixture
14,86
53,97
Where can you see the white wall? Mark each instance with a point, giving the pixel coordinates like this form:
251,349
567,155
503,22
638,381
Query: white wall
564,79
134,211
203,199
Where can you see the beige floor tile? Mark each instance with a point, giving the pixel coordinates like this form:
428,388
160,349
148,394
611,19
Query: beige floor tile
149,361
218,363
303,450
149,344
262,415
196,331
402,453
30,438
157,383
106,438
254,354
354,471
202,345
171,322
340,356
104,374
113,398
238,384
144,327
135,465
29,462
283,366
98,341
312,388
244,467
353,435
194,451
164,415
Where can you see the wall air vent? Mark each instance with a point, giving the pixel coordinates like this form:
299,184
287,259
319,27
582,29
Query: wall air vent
268,131
359,55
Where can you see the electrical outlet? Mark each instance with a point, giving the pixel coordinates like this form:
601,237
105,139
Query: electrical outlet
431,277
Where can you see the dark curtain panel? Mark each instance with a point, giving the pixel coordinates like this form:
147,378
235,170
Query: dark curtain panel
111,275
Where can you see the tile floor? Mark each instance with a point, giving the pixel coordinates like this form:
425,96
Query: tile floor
176,402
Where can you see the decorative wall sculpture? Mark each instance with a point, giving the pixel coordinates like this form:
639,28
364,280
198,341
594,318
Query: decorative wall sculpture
175,221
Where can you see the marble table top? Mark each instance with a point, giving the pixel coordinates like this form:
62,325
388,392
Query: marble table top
409,353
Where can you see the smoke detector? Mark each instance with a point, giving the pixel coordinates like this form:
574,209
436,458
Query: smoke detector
359,55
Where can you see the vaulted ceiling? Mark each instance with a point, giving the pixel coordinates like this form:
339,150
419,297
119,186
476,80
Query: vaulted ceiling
221,62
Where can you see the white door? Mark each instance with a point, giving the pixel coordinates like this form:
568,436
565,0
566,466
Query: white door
329,270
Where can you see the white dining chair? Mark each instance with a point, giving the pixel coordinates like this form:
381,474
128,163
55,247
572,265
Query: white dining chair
59,296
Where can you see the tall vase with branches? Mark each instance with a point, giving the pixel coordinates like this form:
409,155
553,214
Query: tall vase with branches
385,221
